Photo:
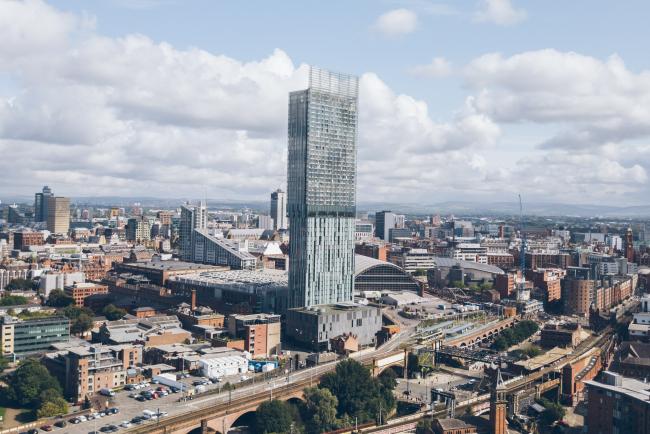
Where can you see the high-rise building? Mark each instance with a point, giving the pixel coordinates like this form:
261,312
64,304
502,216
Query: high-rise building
629,245
265,222
58,214
279,209
192,217
384,222
40,204
322,189
138,229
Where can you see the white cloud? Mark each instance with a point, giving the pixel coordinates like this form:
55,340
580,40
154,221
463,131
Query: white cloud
128,116
598,101
439,67
500,12
397,22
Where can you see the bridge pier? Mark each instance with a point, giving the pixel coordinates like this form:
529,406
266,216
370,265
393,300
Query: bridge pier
204,426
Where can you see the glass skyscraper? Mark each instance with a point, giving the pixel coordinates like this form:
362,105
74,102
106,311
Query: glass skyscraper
322,189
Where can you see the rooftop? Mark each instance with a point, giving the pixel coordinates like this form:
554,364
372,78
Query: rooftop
250,277
170,265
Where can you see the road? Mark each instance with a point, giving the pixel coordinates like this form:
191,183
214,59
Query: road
130,408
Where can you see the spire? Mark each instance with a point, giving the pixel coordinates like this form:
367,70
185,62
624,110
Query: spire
499,383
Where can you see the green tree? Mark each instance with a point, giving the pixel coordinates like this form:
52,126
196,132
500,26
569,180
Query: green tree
26,384
359,394
273,417
54,407
485,286
320,410
552,413
4,363
111,312
59,298
456,284
81,318
500,344
19,284
12,300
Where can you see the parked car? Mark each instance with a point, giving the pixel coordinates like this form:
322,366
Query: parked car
126,424
60,424
113,410
47,428
74,420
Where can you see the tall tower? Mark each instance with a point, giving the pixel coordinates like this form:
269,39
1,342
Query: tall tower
58,214
629,245
40,204
192,217
322,189
279,209
498,404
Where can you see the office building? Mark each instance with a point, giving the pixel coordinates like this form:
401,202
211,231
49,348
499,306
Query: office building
80,291
58,214
322,189
384,222
208,249
315,327
279,210
265,222
24,239
31,336
40,204
15,215
138,229
192,217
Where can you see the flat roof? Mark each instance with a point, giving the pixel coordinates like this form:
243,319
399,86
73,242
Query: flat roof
170,265
250,277
552,355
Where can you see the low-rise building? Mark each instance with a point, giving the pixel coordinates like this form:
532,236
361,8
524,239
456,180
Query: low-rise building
314,327
24,337
555,335
79,291
151,331
452,426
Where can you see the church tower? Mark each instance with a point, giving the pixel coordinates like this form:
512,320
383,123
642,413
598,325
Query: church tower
498,404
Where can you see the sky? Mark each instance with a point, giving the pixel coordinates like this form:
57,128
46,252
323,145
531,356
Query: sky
466,100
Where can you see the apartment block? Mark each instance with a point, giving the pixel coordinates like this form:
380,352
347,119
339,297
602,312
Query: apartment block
85,370
80,291
260,332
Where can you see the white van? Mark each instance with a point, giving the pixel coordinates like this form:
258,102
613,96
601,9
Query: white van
148,414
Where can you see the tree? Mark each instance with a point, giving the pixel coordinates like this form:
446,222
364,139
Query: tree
456,284
13,300
4,363
30,383
320,410
553,412
51,408
19,284
359,394
81,318
273,417
112,313
413,364
59,298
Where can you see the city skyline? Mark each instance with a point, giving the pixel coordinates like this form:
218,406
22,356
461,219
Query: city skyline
495,111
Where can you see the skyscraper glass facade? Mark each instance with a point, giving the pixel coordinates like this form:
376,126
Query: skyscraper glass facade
322,189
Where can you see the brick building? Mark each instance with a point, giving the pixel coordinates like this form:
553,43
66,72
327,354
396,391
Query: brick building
79,291
617,405
24,239
260,332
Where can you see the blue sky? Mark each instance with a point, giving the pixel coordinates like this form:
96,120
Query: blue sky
472,125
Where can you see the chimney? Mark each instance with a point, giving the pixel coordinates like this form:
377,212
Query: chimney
193,303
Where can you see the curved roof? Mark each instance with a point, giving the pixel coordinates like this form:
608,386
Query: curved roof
364,263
